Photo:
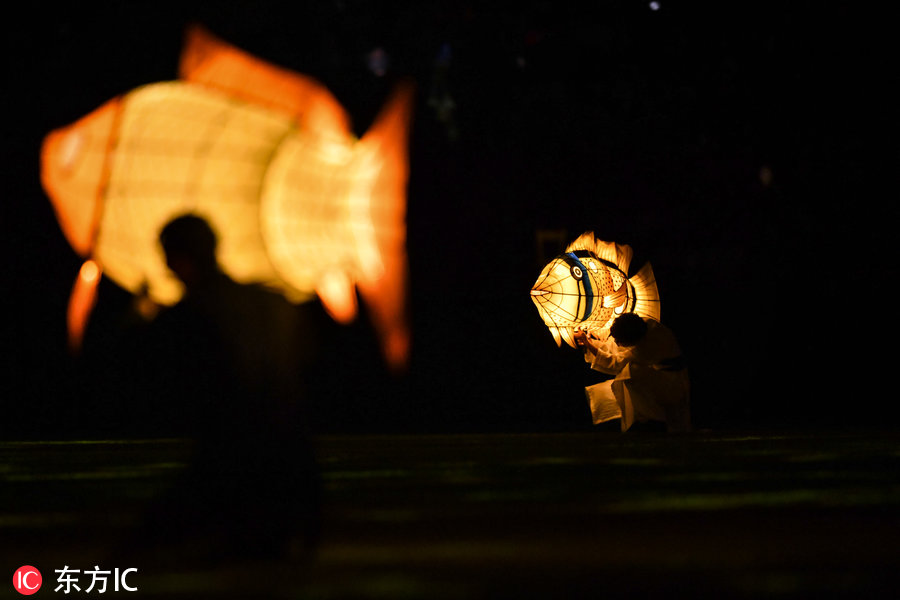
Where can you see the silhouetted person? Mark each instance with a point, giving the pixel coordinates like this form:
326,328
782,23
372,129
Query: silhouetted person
229,355
651,380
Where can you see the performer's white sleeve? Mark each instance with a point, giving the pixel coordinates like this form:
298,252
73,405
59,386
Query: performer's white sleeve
608,358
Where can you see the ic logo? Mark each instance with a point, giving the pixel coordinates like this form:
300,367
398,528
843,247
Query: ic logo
27,580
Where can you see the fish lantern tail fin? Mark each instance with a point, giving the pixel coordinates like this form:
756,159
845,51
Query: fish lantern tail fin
81,303
383,286
646,294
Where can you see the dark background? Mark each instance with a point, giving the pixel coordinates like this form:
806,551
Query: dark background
734,147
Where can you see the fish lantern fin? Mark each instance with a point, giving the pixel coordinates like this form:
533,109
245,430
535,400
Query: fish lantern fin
338,296
81,303
646,293
382,252
209,61
75,170
617,254
618,298
567,335
554,331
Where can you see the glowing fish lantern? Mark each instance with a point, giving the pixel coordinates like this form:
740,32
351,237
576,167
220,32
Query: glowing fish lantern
588,286
266,155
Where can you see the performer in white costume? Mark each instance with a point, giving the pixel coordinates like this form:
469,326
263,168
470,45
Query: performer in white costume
651,380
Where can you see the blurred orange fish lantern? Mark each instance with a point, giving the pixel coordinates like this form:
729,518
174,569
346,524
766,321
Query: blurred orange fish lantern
266,155
587,287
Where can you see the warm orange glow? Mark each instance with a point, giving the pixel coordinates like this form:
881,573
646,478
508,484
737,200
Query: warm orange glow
297,201
338,297
90,271
81,302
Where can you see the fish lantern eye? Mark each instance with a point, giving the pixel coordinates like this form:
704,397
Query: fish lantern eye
577,272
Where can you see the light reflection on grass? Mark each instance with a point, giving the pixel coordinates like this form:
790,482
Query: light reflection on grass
635,462
124,442
128,472
762,499
367,474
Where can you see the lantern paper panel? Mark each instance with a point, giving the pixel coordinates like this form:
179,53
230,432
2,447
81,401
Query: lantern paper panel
587,287
186,149
267,157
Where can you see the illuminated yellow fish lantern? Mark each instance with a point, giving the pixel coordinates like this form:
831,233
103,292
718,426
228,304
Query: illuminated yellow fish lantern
588,286
267,156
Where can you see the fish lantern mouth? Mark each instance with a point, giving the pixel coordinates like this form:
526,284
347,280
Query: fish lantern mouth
539,292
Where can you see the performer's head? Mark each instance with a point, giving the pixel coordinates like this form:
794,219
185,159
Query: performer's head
628,329
190,247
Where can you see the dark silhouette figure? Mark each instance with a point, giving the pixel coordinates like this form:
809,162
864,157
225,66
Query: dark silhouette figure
225,365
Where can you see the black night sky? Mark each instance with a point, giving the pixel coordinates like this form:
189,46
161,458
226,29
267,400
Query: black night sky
732,147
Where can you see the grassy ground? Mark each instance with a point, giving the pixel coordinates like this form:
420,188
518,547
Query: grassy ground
717,515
